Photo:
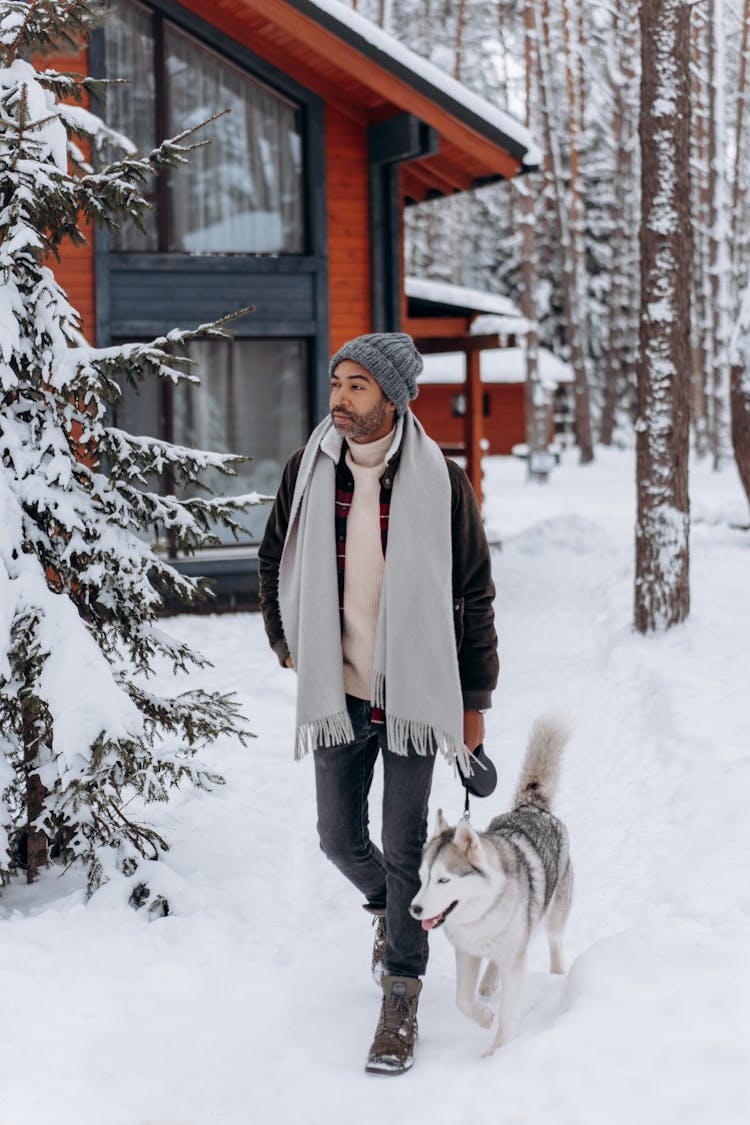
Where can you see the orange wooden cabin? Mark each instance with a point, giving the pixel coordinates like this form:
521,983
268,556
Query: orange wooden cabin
295,207
453,324
441,405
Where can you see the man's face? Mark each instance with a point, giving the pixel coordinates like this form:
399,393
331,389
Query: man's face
359,409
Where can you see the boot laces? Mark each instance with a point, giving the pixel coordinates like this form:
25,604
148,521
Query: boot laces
395,1017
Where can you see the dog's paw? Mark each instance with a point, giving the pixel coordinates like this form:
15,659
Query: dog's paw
482,1015
501,1038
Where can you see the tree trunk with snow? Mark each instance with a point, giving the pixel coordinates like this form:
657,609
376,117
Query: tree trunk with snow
568,221
739,382
739,391
458,47
662,592
31,841
739,239
619,359
536,399
701,337
719,266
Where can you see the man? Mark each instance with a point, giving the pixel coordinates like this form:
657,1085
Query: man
375,587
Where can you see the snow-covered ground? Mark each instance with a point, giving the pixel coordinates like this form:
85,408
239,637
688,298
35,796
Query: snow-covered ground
252,1001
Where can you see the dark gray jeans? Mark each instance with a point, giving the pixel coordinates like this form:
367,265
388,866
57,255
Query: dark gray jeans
343,776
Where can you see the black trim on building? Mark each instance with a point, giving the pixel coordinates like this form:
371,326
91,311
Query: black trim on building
390,143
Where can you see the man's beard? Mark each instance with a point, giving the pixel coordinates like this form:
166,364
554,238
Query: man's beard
358,426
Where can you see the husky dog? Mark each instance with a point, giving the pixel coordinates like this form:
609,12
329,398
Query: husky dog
492,888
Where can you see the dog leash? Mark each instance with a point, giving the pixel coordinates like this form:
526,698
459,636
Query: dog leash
481,781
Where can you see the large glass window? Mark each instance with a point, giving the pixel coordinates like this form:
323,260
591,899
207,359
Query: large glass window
251,399
242,192
130,104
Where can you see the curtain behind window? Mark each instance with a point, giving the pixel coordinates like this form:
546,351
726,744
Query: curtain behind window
242,193
252,399
129,40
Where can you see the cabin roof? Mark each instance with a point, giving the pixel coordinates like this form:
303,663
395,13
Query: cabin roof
440,296
496,365
371,77
395,57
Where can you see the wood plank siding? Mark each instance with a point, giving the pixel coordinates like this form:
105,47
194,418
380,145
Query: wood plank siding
348,228
504,422
75,271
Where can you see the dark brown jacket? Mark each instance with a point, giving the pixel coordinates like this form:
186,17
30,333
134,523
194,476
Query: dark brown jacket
473,588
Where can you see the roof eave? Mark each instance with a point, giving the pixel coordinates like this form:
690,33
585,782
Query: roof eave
418,82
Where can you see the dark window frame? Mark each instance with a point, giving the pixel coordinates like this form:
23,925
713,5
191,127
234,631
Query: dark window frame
228,275
165,427
163,13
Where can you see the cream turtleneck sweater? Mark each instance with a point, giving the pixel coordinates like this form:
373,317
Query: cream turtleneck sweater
363,575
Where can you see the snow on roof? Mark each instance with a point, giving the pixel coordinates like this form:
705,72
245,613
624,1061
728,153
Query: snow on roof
442,87
496,365
490,324
442,293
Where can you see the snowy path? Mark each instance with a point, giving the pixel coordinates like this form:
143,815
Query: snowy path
252,1001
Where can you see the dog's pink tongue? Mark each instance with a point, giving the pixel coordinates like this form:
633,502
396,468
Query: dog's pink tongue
428,923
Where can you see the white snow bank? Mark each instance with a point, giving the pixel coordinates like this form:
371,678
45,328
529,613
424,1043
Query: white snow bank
252,1001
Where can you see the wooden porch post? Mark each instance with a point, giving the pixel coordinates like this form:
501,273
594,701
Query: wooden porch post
473,423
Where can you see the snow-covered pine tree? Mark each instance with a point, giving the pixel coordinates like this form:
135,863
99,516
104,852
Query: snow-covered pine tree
84,740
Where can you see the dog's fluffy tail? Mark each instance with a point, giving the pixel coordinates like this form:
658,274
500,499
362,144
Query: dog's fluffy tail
541,766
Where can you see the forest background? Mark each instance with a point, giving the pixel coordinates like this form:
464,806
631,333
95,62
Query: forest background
572,71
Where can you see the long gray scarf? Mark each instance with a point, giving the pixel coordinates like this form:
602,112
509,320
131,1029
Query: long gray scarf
416,676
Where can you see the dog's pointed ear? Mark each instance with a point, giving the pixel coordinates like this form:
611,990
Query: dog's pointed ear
441,824
467,839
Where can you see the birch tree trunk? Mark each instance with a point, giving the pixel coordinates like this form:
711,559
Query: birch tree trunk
662,592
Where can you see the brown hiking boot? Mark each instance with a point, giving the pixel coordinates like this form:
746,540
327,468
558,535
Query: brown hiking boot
392,1050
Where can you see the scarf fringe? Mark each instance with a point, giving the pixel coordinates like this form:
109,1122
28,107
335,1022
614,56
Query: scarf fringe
333,730
378,691
406,734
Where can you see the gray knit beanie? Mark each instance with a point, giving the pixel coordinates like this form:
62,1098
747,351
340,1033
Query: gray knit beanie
391,358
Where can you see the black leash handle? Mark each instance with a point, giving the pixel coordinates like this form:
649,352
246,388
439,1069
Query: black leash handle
481,779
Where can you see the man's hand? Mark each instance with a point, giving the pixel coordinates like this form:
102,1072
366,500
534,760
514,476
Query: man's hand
473,730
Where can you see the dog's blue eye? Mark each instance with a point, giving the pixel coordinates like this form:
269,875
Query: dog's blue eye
443,879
